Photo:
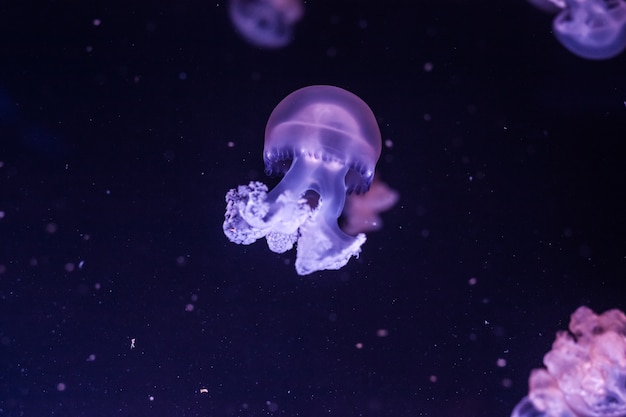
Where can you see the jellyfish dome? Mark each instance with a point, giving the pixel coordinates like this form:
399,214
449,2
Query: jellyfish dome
325,140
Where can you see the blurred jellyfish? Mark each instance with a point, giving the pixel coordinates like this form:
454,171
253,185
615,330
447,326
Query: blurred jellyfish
265,23
326,142
591,29
586,370
30,135
361,213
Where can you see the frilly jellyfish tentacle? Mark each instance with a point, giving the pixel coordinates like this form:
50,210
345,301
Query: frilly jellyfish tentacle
283,215
251,216
236,227
322,244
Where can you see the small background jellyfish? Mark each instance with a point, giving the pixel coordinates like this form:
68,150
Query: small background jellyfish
361,213
586,370
265,23
326,142
591,29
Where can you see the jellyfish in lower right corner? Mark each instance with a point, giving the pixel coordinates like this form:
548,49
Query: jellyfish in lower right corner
326,142
591,29
585,373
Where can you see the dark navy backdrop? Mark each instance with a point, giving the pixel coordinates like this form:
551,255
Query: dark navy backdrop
115,158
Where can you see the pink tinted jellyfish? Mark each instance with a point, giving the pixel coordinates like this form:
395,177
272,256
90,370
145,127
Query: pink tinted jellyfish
326,142
362,211
585,373
591,29
265,23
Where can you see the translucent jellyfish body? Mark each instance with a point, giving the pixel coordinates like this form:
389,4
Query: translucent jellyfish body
586,370
591,29
325,140
265,23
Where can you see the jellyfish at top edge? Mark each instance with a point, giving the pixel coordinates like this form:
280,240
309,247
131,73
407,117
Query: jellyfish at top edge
548,6
265,23
326,142
591,29
585,373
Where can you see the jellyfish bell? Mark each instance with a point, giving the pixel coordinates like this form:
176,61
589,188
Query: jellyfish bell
326,123
324,140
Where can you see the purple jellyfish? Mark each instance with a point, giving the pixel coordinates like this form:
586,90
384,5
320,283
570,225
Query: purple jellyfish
325,140
265,23
362,211
591,29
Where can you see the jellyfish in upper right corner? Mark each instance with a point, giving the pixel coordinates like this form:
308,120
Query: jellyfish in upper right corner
265,23
362,211
591,29
585,373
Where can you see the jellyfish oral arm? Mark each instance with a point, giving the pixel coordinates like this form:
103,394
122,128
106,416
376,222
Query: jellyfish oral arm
284,217
249,217
322,244
585,371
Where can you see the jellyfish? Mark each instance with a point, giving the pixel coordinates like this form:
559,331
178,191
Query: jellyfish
265,23
326,142
361,213
585,373
591,29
